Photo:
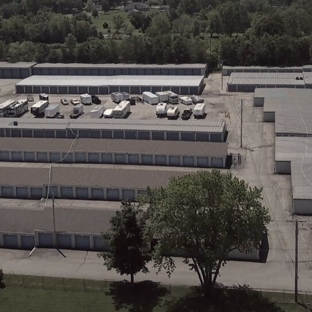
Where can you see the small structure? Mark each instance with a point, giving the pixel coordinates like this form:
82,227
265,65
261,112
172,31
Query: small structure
138,6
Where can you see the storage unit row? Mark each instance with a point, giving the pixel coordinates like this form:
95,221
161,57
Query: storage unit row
104,90
228,70
87,242
112,71
115,158
186,135
69,192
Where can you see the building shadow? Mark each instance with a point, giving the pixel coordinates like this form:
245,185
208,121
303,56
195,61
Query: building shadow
138,297
238,299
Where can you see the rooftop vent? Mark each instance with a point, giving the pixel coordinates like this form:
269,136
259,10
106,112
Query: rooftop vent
15,123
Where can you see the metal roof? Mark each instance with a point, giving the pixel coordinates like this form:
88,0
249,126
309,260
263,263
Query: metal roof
123,80
87,175
293,123
281,79
301,178
262,68
17,65
76,216
181,148
206,126
120,65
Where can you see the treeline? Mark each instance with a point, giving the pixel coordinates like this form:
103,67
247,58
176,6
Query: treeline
243,32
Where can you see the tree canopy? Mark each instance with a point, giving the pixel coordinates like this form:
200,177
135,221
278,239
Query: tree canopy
204,216
128,252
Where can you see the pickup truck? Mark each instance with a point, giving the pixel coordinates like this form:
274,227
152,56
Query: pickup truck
187,113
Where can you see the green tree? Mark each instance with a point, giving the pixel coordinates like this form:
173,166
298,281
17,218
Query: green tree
128,249
214,25
89,6
105,6
118,22
160,25
70,41
95,12
204,216
2,285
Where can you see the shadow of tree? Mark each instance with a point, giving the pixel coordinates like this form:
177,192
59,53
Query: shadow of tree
240,299
138,297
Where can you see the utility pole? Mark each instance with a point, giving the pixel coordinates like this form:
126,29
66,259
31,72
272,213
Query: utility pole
54,227
241,128
296,256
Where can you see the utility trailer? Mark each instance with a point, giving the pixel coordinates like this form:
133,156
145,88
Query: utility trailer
97,112
77,111
52,111
150,98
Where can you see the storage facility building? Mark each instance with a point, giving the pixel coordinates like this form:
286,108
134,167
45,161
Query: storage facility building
291,111
133,152
76,228
19,70
228,70
248,82
81,181
109,84
211,130
48,69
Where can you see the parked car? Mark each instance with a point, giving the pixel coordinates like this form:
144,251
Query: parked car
187,113
96,99
74,101
64,102
197,99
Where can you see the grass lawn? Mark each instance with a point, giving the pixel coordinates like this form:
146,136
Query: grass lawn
32,294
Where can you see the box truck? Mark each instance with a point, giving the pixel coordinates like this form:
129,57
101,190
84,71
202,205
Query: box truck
162,96
86,99
199,110
161,109
150,98
186,100
97,112
77,111
39,108
173,112
121,110
52,111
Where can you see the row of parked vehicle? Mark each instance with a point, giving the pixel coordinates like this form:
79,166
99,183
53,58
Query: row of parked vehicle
173,112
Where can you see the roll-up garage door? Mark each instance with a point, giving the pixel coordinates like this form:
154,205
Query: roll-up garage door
107,158
51,190
202,162
10,241
83,90
216,162
7,191
173,136
160,136
143,135
113,194
80,157
128,194
202,137
4,156
45,239
94,157
16,156
81,193
147,160
130,135
42,157
133,159
38,134
67,192
98,243
186,136
216,137
106,134
120,158
36,192
174,161
141,192
55,157
27,242
188,161
21,192
64,241
29,156
72,90
97,193
16,133
160,160
82,242
67,158
118,134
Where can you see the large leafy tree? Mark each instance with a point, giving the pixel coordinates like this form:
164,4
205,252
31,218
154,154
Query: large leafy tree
204,216
128,252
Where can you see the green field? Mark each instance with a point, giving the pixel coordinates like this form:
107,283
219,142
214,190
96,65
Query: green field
32,294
